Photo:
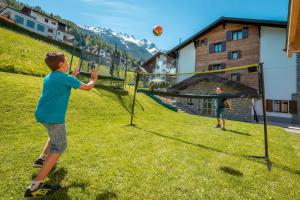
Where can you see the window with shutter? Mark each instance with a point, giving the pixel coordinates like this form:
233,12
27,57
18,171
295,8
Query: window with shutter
228,36
237,35
229,55
211,48
293,107
245,32
269,105
223,46
218,47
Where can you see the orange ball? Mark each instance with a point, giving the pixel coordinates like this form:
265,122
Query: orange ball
157,30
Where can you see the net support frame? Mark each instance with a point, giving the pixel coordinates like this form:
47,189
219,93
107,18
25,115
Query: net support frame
262,95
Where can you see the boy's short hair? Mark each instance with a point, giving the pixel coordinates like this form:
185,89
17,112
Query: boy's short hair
53,59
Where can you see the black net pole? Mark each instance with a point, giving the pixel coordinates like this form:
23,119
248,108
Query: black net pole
134,96
81,60
125,75
262,84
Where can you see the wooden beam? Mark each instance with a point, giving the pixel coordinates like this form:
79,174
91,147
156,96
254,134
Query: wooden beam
293,42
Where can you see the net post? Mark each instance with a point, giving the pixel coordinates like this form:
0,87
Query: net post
125,75
262,86
81,58
134,96
71,62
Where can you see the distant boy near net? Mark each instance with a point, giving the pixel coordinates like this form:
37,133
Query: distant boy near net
221,104
50,112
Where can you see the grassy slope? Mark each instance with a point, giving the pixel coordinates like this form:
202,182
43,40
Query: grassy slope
168,156
24,53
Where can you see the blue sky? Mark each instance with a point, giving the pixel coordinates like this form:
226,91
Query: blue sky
179,18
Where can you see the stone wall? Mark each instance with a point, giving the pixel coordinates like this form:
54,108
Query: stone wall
242,107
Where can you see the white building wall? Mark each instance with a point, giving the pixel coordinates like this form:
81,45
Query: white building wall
41,19
186,61
279,70
38,19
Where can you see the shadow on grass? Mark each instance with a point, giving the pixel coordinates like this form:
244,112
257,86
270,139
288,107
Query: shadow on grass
237,132
186,142
107,195
280,166
231,171
57,176
119,98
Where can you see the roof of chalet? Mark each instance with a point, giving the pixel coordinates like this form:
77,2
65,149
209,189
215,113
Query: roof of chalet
292,41
249,91
223,20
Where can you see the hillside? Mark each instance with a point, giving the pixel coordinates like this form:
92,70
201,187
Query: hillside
21,53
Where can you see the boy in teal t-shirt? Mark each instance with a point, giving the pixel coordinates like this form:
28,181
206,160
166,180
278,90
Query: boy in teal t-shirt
51,112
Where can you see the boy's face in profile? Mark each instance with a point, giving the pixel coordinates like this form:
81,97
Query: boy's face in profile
64,66
219,90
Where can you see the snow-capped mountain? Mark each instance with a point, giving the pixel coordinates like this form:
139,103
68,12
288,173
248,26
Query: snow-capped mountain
142,49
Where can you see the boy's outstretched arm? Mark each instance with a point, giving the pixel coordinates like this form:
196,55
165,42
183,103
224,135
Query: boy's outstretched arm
91,84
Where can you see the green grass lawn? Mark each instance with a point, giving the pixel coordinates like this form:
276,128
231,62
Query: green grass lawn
168,155
23,54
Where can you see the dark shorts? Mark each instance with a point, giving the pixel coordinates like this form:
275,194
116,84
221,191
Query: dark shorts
220,112
58,137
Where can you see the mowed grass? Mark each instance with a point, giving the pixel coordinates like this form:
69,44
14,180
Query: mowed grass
24,54
168,155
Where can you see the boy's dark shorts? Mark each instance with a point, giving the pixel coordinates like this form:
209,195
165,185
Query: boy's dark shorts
58,137
220,112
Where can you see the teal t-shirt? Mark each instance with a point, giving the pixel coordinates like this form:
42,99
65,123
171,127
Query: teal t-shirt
53,103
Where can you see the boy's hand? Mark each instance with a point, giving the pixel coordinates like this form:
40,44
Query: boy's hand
76,71
94,75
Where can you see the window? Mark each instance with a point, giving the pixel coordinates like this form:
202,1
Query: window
50,30
217,47
189,101
216,66
207,106
19,20
58,33
237,35
54,23
236,77
281,106
30,24
40,28
46,20
234,55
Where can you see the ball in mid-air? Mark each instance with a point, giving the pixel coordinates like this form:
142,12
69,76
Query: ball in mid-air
157,30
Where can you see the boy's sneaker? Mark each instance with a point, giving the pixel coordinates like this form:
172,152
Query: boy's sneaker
42,190
218,126
39,162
